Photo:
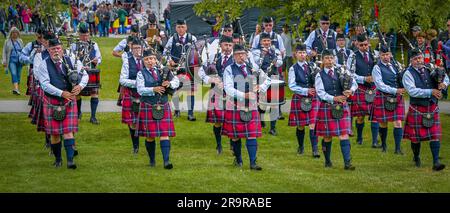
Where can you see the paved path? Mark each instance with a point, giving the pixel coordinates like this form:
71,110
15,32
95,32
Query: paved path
110,106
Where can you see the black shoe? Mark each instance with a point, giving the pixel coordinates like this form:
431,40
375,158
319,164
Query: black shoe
176,114
398,152
349,166
438,167
376,146
273,132
135,151
191,118
417,161
263,124
219,150
316,154
236,163
281,117
300,151
384,149
71,165
94,121
168,165
152,164
255,167
328,164
15,92
57,164
359,142
119,102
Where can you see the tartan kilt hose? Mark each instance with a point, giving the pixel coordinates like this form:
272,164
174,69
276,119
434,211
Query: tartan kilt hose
216,108
379,112
149,127
359,106
326,125
298,117
128,116
234,127
68,125
415,131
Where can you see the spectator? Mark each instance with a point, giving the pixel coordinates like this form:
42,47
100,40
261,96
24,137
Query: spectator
122,18
90,17
105,20
2,21
10,57
445,35
75,15
258,30
166,16
26,18
99,14
288,43
112,16
13,17
36,18
432,40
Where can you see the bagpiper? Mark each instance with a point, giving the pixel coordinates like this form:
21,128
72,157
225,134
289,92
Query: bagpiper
241,115
361,62
423,120
155,117
304,104
333,116
131,65
90,51
178,44
388,105
213,74
61,83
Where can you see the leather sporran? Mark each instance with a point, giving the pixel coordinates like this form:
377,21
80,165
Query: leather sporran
306,104
246,115
428,119
337,111
158,111
369,95
135,104
59,112
390,103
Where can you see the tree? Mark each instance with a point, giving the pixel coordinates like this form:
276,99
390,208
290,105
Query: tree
396,14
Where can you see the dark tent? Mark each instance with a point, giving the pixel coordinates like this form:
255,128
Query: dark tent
184,10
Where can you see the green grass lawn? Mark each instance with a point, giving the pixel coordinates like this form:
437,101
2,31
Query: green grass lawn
107,165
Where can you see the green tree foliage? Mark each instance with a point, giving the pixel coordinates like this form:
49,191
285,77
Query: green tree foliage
396,14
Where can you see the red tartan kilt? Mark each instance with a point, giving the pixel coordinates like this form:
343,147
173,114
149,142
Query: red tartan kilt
415,131
380,114
297,117
326,125
89,91
128,117
216,110
233,127
359,106
149,127
188,81
68,125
